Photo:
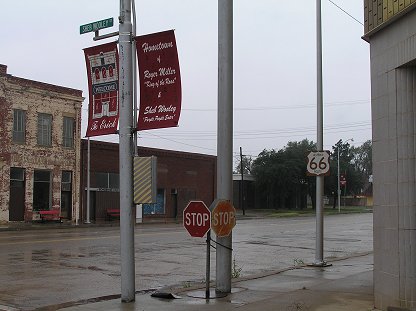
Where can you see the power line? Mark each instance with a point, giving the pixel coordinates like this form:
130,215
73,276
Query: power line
329,104
250,153
255,136
201,135
346,12
299,134
181,143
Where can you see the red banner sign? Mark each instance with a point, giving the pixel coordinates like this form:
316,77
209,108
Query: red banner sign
160,81
102,69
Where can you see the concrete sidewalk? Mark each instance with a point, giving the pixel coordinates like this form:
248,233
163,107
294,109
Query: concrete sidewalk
346,285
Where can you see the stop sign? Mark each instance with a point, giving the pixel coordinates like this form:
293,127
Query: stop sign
222,217
197,218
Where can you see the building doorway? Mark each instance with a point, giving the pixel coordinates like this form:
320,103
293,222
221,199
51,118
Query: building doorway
66,194
42,194
17,194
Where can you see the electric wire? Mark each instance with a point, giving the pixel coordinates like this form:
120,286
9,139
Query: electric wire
346,12
328,104
272,133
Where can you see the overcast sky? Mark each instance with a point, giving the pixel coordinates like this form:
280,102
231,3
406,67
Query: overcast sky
274,65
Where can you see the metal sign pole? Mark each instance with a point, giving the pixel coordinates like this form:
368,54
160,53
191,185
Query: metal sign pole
208,268
125,153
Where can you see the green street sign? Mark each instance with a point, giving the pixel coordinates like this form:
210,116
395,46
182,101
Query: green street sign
105,23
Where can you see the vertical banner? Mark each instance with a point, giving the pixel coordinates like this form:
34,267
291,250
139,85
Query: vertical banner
160,81
102,70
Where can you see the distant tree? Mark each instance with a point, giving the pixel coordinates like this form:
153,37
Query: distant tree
345,158
363,159
355,165
301,184
266,169
281,179
247,164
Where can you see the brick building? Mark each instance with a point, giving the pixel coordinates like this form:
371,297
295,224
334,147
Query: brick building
181,177
40,148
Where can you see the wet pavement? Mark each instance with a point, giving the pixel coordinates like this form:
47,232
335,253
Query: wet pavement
55,265
346,285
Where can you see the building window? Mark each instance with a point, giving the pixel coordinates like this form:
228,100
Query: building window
66,181
42,194
19,125
44,129
68,132
107,180
17,176
158,207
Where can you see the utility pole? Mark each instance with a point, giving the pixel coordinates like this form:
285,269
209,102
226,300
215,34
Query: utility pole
125,153
225,136
339,187
319,254
242,181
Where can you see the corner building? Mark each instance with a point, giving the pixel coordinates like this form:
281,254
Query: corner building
40,149
390,28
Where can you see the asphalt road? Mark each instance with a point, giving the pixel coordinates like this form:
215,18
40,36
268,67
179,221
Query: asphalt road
40,268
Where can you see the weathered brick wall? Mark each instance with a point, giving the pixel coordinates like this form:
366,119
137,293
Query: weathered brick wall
192,175
36,97
4,150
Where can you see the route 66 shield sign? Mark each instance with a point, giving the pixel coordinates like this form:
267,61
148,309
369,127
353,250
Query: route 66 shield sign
318,163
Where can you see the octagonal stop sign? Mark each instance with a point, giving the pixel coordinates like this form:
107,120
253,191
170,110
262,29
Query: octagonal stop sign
197,218
222,217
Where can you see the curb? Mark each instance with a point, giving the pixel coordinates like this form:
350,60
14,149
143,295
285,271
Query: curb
261,275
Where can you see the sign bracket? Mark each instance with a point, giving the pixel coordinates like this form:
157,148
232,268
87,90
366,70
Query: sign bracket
108,35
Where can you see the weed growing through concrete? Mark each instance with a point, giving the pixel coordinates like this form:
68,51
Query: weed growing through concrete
236,270
297,306
298,262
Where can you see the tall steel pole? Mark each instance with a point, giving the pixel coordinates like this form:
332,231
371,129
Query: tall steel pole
126,152
225,136
319,255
